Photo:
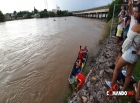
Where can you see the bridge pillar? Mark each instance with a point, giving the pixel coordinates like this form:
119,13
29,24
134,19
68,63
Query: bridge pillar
105,15
101,15
98,15
95,15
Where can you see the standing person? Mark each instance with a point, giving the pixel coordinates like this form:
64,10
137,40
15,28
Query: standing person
122,10
126,28
120,16
121,25
129,49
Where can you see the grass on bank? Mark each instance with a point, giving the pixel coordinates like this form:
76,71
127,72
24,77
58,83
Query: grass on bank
136,71
106,30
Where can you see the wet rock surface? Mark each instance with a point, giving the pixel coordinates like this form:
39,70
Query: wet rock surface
94,90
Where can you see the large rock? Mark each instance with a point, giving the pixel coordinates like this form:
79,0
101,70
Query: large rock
91,98
84,99
101,73
110,71
88,84
93,78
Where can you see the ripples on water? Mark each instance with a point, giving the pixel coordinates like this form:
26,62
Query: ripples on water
36,56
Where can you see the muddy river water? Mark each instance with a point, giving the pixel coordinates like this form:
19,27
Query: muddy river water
36,56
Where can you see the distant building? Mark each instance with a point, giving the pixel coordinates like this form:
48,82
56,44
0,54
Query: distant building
37,15
25,16
54,10
13,16
19,17
7,16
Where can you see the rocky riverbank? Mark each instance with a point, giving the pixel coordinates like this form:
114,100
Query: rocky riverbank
94,90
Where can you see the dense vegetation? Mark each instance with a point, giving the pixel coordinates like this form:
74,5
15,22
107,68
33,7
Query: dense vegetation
43,14
111,8
59,13
1,17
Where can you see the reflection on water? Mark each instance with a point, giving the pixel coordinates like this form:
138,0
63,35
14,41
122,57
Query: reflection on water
36,56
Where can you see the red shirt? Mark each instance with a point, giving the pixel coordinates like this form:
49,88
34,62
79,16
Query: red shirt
81,78
80,54
85,48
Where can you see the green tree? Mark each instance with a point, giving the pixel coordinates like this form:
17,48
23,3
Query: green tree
52,14
63,13
15,14
22,13
69,14
35,11
44,13
59,13
111,8
2,19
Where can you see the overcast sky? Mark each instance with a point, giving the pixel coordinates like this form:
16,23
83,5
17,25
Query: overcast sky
8,6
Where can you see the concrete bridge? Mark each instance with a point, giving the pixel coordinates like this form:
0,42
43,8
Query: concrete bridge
98,12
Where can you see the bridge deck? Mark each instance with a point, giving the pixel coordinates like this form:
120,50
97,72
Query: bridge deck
93,11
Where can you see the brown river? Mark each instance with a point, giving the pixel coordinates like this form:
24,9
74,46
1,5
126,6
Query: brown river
37,55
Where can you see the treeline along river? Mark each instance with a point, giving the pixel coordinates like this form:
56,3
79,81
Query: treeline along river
37,55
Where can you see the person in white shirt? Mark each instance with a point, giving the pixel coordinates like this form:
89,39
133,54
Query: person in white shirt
121,25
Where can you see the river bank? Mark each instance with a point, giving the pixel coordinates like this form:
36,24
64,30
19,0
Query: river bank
94,89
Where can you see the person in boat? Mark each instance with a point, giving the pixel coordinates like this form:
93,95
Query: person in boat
85,49
77,68
82,53
78,65
80,78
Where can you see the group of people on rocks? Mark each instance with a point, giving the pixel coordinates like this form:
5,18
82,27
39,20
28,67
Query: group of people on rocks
129,26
